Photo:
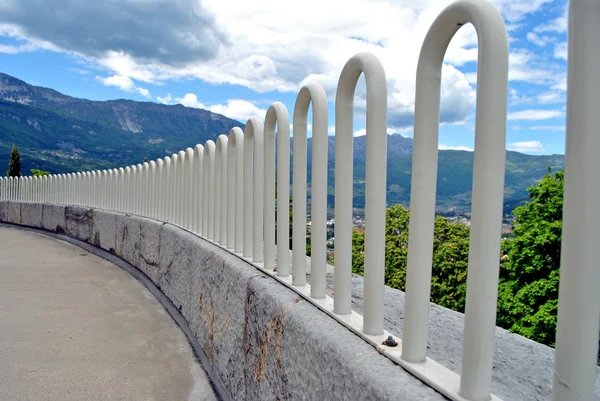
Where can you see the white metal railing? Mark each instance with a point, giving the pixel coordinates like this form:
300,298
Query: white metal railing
225,192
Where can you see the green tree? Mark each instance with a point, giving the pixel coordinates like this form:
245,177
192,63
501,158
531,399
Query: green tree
528,290
38,173
14,164
450,257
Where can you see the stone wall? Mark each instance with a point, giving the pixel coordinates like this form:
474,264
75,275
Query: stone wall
263,341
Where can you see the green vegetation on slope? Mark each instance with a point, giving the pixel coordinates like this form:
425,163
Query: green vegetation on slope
60,133
529,269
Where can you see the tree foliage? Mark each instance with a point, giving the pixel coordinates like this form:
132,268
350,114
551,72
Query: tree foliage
528,291
39,173
450,255
14,163
529,266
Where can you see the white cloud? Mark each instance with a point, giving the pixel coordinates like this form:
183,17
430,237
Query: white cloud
538,40
236,109
558,25
560,51
548,127
190,100
527,147
551,97
165,100
459,147
124,83
535,114
239,109
289,44
24,48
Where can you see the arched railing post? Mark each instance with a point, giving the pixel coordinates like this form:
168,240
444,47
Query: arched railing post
235,191
138,190
316,94
487,198
197,188
189,189
277,115
208,182
152,192
578,297
180,192
168,187
160,189
375,190
253,189
220,190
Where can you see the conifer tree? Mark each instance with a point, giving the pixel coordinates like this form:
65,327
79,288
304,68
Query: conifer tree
14,164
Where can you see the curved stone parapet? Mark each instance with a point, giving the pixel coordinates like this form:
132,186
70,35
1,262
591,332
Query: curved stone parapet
264,342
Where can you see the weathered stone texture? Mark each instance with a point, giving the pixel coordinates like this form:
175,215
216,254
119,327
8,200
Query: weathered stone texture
128,238
104,229
4,211
149,247
78,222
31,214
14,212
53,217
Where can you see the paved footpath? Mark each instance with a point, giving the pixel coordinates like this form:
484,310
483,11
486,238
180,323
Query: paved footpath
76,327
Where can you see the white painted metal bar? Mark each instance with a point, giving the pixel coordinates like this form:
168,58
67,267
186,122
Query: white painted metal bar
255,126
166,188
375,190
220,190
180,179
277,116
189,189
138,188
249,185
208,184
152,193
316,94
198,187
487,198
160,189
235,192
127,190
579,299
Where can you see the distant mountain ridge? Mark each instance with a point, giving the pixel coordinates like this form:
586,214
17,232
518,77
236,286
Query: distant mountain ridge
60,133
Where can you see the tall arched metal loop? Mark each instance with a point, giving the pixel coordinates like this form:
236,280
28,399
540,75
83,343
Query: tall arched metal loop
188,211
166,195
277,115
375,190
235,190
197,188
179,191
579,301
152,189
487,198
220,190
160,188
208,182
314,93
253,189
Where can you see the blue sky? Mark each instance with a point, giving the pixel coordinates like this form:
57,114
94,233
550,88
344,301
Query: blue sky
237,57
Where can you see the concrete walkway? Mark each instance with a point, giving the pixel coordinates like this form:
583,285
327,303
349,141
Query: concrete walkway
76,327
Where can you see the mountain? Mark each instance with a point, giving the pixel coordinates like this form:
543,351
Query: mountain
455,174
59,133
